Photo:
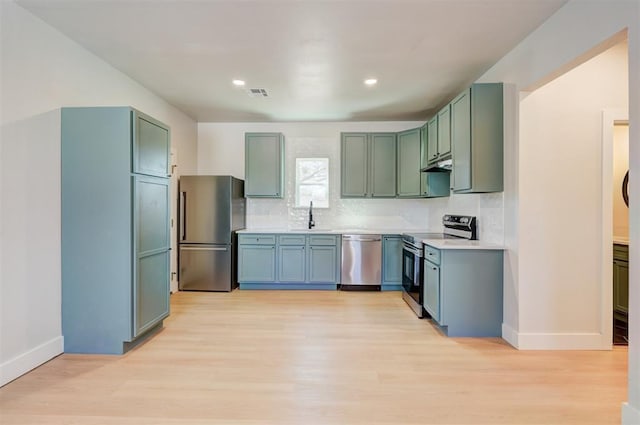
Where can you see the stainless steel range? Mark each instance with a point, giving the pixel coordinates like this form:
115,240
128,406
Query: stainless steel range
455,227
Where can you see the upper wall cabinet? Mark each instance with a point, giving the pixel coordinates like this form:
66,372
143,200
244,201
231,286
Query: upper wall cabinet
477,138
409,162
444,133
264,165
150,146
424,146
368,166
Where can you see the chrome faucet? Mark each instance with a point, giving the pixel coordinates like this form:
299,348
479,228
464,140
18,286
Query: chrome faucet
311,222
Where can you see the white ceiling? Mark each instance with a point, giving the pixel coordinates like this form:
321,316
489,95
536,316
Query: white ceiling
311,56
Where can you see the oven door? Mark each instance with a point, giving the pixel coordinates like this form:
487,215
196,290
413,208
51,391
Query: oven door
412,272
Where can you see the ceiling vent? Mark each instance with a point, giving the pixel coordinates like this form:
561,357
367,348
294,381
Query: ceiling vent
257,92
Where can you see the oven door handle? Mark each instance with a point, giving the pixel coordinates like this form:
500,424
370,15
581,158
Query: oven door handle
412,250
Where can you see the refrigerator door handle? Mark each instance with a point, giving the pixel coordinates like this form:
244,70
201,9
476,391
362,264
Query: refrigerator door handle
203,248
183,216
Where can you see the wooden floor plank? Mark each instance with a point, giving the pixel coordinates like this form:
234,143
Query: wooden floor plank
317,357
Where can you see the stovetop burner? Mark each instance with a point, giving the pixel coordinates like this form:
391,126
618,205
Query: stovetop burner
455,227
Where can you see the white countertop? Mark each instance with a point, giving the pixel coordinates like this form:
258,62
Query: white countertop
460,244
621,240
349,231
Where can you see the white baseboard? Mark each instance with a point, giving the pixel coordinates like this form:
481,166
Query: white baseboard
23,363
630,415
510,335
555,341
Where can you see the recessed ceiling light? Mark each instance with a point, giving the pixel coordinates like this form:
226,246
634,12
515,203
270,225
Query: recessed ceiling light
238,83
370,81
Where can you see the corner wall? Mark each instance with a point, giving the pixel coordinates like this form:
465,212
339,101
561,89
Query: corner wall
561,217
577,32
41,71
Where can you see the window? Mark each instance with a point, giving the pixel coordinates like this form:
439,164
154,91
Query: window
312,182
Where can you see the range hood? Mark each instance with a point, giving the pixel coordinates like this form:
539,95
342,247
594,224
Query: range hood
441,166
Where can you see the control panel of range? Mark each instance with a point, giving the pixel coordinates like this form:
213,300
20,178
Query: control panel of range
464,226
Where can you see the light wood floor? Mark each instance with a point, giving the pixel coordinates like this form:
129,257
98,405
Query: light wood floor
271,357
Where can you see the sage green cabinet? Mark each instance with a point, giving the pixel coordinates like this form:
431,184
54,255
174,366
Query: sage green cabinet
432,139
151,252
322,264
439,136
264,165
256,263
477,139
444,133
424,146
291,263
621,286
409,161
150,146
368,166
462,290
391,262
435,184
282,261
115,228
432,290
620,293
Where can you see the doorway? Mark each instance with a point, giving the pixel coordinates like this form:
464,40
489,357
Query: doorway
565,207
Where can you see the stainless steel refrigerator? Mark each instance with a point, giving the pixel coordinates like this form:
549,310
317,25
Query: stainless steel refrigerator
211,209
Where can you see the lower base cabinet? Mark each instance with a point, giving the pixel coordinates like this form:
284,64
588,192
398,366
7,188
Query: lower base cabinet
288,261
463,291
391,263
620,294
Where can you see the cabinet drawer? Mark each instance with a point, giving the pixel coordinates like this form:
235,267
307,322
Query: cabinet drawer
620,252
322,240
292,239
256,239
432,254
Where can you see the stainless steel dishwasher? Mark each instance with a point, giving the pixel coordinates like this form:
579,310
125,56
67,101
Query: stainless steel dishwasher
361,262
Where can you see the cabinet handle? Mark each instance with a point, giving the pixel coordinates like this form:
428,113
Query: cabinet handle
183,216
433,268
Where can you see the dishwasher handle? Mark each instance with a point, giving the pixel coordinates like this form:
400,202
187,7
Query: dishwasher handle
361,238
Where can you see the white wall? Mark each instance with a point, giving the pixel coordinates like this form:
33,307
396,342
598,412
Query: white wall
620,168
42,70
561,200
578,31
221,151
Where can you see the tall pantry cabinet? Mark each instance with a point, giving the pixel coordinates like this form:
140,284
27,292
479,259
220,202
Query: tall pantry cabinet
115,228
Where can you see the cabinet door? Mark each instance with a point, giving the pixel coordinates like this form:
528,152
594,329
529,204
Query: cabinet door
435,184
621,286
409,163
431,290
392,259
151,291
444,131
383,165
424,146
291,263
150,146
151,252
461,141
322,264
432,139
257,263
264,165
354,165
